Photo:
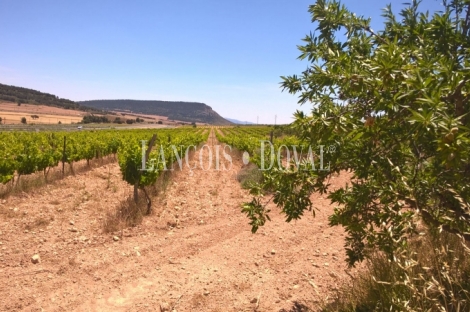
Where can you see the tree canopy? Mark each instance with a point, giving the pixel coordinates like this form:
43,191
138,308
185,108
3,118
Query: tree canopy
29,96
395,102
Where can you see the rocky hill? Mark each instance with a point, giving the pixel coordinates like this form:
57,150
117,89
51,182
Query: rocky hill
184,111
29,96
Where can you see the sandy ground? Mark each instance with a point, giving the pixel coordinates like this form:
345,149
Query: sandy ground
194,253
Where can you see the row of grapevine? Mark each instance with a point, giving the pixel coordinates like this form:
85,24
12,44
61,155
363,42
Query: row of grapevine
250,139
159,151
290,166
23,153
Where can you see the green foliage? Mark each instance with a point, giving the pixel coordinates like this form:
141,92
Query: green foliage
95,119
284,130
7,162
23,95
28,152
249,175
432,275
396,105
159,156
130,161
288,183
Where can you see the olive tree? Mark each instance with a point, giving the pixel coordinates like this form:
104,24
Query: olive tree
395,102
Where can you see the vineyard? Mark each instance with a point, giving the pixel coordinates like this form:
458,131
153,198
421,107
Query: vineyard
23,153
195,221
357,198
192,224
143,155
190,240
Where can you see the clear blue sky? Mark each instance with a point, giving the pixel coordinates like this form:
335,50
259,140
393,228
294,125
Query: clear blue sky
227,54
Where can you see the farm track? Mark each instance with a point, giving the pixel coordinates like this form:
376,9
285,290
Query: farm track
194,253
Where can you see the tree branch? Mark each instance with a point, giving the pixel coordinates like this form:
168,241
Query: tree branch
367,28
429,219
466,25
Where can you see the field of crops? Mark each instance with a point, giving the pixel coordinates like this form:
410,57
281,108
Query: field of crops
23,153
29,152
104,224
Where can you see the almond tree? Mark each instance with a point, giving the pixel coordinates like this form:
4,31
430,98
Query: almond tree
395,103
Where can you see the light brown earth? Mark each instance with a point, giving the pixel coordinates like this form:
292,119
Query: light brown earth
43,109
11,113
194,253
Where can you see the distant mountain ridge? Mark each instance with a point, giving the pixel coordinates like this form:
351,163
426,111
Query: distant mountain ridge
184,111
236,121
30,96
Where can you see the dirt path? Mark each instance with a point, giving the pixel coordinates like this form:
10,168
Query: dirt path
195,253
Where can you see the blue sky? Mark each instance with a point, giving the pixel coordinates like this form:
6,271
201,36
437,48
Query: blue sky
227,54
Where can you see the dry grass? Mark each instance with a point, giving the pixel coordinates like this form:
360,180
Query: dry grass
127,214
26,183
15,118
22,184
432,274
162,183
249,175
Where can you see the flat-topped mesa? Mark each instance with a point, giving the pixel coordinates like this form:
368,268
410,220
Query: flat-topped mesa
177,110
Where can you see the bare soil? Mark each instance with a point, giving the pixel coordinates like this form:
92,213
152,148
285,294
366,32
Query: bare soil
42,109
195,252
11,113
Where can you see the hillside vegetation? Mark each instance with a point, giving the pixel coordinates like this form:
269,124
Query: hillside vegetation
184,111
29,96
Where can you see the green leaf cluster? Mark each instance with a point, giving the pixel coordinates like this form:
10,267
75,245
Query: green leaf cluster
396,103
